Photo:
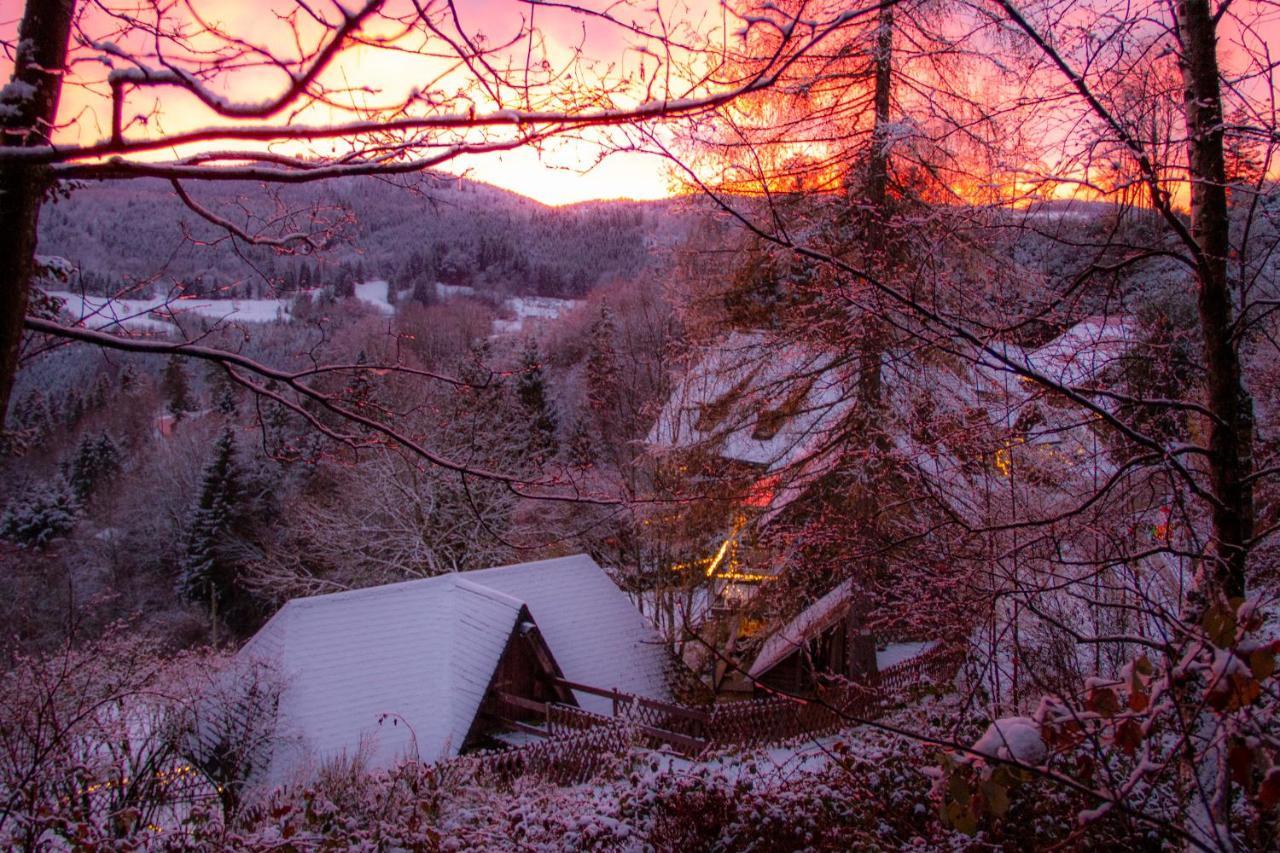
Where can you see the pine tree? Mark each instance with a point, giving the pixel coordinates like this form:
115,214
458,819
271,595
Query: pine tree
582,450
206,575
32,413
128,378
360,391
531,392
94,461
177,389
41,515
424,292
602,374
223,391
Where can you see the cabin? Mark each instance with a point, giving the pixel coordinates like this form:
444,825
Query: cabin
431,668
760,419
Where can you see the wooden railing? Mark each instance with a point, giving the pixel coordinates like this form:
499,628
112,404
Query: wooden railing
570,759
939,665
577,738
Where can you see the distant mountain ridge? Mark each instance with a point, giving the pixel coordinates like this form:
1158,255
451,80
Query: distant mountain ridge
428,228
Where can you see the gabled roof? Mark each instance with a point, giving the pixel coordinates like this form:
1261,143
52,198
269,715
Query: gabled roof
810,623
596,633
401,670
754,400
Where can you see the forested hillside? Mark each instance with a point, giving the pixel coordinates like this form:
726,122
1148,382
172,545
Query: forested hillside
408,230
908,478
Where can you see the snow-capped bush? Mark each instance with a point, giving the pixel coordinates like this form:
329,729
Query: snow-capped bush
44,513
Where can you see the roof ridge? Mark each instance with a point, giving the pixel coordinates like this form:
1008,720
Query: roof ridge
465,585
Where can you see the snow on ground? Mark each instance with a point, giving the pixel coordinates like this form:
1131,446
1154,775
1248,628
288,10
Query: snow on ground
1016,738
802,755
375,293
896,653
101,312
532,308
450,291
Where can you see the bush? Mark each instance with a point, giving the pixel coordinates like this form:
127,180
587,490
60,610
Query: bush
41,515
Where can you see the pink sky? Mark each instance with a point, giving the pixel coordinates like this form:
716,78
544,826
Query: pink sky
565,171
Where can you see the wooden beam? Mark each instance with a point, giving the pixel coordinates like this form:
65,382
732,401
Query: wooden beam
521,702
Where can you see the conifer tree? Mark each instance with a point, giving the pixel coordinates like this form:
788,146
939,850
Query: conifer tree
224,392
206,574
531,392
582,451
602,374
95,459
177,389
41,514
32,413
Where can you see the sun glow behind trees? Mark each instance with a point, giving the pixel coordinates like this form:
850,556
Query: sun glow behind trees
956,56
499,55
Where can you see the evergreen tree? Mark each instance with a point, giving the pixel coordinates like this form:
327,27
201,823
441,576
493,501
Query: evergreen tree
72,407
41,515
177,388
360,391
424,292
223,391
100,393
206,574
344,286
128,378
95,459
582,450
32,413
531,392
602,373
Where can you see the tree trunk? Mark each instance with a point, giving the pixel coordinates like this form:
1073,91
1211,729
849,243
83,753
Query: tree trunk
1230,434
31,103
873,332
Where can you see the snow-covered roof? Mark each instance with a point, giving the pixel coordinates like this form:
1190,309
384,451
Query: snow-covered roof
400,670
811,622
1076,357
595,632
754,400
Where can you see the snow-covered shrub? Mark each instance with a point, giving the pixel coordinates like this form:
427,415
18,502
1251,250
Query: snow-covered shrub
91,746
43,513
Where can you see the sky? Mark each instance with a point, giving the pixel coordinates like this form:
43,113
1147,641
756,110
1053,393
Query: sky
586,50
562,171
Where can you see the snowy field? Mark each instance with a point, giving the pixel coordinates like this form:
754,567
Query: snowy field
159,313
532,308
165,313
375,293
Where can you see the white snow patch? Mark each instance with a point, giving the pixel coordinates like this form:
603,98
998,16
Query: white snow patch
532,308
375,293
156,313
896,653
1013,738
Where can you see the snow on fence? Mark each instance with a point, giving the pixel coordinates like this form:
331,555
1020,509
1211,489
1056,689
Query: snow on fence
936,666
580,744
563,760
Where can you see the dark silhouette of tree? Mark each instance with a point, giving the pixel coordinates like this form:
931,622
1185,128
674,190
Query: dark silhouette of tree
531,393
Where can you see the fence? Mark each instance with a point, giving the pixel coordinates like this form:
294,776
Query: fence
580,743
569,759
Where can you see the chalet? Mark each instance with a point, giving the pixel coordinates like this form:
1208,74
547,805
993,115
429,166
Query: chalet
429,668
768,414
